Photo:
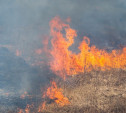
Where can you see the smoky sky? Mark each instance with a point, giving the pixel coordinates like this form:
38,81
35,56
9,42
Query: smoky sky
24,22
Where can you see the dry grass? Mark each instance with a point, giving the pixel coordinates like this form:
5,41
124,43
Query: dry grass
94,92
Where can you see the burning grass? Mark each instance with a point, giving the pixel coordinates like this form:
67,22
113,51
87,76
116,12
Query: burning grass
92,92
96,92
92,81
101,89
65,62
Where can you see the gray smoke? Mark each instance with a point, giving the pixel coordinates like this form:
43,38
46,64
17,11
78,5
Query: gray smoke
23,23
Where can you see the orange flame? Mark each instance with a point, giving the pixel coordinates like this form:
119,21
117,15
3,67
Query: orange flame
24,95
27,109
38,51
54,93
18,52
20,111
65,62
42,107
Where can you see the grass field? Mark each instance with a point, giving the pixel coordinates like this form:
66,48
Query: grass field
94,92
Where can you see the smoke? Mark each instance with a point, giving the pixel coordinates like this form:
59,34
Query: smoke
23,24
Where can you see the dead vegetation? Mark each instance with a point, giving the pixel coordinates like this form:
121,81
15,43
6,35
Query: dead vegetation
94,92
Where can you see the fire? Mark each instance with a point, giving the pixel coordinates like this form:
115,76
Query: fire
27,109
38,51
65,62
24,95
42,107
20,111
18,53
54,93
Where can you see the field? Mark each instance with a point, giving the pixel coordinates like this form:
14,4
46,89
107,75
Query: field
93,92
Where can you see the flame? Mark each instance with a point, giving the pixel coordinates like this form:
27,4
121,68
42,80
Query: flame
54,93
42,54
65,62
27,109
6,94
18,52
24,95
20,111
38,51
42,107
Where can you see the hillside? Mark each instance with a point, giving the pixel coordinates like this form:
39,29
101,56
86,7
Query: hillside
94,92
